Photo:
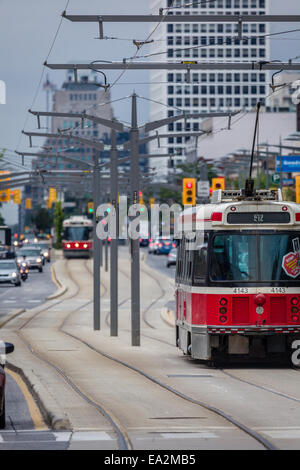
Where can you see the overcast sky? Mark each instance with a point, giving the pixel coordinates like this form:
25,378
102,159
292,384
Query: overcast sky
27,28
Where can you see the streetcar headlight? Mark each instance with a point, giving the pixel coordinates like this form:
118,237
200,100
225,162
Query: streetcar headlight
68,245
85,245
77,245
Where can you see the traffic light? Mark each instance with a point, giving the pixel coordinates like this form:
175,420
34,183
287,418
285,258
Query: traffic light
17,196
141,197
189,192
90,207
3,174
5,195
218,183
28,203
298,189
52,195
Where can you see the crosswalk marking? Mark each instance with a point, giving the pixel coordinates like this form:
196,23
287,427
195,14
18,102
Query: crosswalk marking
62,436
91,436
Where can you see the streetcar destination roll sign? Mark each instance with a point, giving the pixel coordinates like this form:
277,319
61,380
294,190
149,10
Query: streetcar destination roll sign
258,218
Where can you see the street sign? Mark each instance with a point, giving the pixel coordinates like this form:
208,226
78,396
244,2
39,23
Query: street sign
289,164
276,178
288,181
69,204
203,189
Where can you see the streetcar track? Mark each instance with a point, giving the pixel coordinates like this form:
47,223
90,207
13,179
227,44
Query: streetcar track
122,435
259,438
123,438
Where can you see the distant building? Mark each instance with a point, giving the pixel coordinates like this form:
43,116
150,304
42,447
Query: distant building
240,137
284,97
76,97
208,90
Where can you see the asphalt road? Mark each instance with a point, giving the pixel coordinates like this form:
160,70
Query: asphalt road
159,262
32,292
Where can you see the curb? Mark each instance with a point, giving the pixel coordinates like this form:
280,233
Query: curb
56,420
61,289
167,316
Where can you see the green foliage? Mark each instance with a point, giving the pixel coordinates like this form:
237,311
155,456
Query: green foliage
42,220
58,223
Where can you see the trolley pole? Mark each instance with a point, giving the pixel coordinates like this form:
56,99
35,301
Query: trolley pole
114,240
96,249
135,244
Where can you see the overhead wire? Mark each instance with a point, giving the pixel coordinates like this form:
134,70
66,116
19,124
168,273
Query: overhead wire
42,73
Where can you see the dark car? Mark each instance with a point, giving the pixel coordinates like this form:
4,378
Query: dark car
164,246
5,348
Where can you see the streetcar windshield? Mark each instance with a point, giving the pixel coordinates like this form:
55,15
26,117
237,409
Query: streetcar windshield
76,233
255,257
234,258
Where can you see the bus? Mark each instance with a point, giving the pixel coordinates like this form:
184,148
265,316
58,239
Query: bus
77,237
238,285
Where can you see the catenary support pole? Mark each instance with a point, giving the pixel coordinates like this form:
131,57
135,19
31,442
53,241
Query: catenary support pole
96,240
134,243
114,240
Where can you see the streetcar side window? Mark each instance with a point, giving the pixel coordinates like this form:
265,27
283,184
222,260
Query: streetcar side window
200,264
179,266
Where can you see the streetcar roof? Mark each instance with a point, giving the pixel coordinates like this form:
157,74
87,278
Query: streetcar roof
266,213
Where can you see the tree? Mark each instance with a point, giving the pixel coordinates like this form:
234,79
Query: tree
43,220
58,223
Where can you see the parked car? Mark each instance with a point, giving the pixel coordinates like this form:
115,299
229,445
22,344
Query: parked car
33,257
5,348
9,272
172,257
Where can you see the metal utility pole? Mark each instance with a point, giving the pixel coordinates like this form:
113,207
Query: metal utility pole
114,240
96,243
135,244
191,66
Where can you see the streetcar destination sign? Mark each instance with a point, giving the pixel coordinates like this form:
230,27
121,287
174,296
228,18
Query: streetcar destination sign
258,218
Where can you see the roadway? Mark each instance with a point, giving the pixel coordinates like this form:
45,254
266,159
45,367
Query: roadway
32,293
113,396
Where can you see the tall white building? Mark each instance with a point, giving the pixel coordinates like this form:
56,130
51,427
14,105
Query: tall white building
208,91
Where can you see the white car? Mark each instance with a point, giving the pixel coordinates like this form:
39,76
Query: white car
9,272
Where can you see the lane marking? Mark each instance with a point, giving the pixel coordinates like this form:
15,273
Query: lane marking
62,436
91,436
284,434
189,435
36,416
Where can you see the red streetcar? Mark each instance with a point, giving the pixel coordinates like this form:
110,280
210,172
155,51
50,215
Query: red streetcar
238,285
77,237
